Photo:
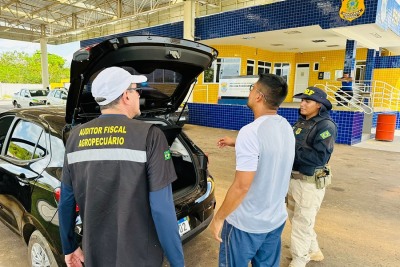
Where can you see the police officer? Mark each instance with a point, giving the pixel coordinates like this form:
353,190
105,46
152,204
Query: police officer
119,171
315,134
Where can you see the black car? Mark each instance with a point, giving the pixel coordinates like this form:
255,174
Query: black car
32,140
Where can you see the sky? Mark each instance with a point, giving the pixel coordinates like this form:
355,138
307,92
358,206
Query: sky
65,50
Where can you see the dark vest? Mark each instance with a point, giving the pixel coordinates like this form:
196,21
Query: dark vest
113,194
305,131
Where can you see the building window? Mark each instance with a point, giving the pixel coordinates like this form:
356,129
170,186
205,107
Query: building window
250,67
316,66
360,71
264,67
222,67
282,69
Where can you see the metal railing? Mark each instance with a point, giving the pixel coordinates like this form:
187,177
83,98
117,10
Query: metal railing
351,102
377,95
382,94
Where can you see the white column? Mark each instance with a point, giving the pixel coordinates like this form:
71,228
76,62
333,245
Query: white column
188,20
45,68
188,28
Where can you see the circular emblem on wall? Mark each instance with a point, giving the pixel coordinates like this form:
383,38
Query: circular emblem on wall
224,87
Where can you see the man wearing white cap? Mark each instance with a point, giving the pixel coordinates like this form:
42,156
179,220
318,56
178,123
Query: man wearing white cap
119,172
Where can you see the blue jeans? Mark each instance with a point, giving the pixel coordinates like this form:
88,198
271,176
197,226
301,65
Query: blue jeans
238,248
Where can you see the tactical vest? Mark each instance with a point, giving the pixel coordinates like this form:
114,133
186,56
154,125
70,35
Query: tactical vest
113,193
302,130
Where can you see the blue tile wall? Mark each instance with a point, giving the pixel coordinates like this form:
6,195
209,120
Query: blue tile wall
174,30
387,62
349,126
375,118
234,117
370,64
231,117
350,57
387,15
260,19
280,15
233,101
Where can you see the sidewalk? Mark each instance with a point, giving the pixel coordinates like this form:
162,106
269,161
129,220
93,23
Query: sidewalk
393,146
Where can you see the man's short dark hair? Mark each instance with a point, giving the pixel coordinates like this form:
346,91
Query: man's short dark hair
274,88
111,104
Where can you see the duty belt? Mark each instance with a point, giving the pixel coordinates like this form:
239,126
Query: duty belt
299,176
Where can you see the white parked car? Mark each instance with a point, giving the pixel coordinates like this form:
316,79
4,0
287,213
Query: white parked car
57,96
29,97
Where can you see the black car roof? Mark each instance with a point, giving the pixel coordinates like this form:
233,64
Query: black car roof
53,116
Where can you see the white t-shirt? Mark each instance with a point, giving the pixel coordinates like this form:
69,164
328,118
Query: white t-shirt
266,146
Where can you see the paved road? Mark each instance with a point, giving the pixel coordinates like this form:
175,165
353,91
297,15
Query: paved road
5,105
357,225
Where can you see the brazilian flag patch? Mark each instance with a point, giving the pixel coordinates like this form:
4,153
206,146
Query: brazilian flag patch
325,134
167,155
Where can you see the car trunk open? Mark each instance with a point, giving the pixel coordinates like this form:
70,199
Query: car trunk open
171,66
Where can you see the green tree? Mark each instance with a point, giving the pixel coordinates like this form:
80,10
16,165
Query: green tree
20,67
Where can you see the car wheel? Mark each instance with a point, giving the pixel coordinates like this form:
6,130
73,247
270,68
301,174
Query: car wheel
30,104
39,251
15,104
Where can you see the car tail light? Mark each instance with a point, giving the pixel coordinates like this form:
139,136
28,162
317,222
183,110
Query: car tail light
57,196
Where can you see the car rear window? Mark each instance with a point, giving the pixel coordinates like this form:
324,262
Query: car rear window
27,142
163,80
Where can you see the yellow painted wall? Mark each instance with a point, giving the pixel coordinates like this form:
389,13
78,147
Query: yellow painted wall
244,53
55,85
60,84
328,60
390,76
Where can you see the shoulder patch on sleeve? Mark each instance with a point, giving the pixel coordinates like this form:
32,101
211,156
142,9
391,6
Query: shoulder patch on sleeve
325,134
167,155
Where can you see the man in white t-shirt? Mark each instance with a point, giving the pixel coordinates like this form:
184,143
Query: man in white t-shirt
253,214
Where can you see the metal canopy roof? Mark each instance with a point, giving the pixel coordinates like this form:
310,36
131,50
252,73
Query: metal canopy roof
62,21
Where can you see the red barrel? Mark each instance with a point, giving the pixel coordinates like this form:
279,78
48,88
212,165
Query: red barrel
385,127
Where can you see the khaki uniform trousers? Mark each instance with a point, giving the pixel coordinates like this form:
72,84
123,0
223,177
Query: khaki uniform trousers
304,202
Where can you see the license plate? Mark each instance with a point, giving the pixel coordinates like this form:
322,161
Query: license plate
183,225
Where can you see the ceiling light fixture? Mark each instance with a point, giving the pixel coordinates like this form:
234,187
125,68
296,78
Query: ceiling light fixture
204,2
292,32
375,35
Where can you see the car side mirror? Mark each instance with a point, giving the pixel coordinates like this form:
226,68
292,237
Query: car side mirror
26,95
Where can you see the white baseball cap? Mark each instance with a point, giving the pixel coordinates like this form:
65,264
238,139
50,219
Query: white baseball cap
111,82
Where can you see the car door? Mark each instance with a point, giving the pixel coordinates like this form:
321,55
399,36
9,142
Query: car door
57,97
50,98
63,97
25,98
19,96
24,156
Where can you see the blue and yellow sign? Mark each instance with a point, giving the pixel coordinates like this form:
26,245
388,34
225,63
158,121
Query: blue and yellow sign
351,9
